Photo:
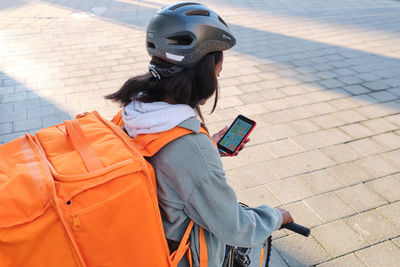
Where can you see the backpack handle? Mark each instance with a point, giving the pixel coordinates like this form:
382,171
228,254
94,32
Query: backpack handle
79,142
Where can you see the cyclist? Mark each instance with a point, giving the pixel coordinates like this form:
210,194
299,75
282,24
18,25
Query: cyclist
186,41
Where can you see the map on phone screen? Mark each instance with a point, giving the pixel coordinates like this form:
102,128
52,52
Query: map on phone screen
235,134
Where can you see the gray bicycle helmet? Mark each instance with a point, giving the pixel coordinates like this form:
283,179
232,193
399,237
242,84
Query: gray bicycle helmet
183,33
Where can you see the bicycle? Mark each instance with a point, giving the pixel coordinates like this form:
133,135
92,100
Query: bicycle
259,255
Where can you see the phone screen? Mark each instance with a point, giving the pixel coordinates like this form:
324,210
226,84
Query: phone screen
236,134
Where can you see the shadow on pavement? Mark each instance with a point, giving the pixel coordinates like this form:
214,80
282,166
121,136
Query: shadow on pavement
22,110
361,74
11,4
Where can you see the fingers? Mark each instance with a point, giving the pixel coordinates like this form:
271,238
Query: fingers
287,218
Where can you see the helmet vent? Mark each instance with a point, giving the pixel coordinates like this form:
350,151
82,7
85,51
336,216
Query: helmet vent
198,12
151,45
180,40
222,21
182,4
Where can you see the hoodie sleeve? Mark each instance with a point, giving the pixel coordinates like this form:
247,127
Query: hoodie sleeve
209,200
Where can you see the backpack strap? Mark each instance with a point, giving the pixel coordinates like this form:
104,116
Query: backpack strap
183,248
118,120
79,142
149,145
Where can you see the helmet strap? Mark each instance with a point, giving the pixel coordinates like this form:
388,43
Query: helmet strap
163,72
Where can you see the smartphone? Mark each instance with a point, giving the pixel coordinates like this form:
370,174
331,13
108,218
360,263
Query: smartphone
236,135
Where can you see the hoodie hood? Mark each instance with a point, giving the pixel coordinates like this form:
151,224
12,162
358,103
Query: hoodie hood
156,117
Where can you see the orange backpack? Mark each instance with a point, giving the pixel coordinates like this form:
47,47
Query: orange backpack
82,194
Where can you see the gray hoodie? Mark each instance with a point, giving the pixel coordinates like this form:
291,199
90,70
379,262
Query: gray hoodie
191,185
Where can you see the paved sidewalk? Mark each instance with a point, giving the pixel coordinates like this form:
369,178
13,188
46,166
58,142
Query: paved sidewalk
321,78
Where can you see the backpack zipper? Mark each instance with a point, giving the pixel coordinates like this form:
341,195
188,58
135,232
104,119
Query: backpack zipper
76,223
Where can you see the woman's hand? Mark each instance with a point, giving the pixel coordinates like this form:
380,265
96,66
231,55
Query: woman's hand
216,137
287,218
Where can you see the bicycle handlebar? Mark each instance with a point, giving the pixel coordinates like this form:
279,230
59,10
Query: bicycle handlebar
297,228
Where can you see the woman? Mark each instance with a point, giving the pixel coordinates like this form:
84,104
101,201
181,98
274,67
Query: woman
186,41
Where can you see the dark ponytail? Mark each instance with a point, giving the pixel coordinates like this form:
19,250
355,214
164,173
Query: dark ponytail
188,86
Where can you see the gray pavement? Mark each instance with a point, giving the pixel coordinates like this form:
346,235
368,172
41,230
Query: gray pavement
321,78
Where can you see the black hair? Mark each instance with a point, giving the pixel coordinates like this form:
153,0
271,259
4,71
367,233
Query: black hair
188,86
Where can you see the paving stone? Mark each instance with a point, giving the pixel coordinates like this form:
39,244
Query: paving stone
294,101
394,81
10,116
356,89
283,148
276,105
286,167
321,181
366,147
374,111
289,190
377,166
327,74
373,227
394,119
299,251
231,101
327,121
234,180
380,125
251,109
276,259
387,187
231,162
329,206
321,139
314,160
357,130
249,98
331,83
384,96
260,136
303,214
271,93
396,241
280,131
292,90
7,98
340,153
360,197
319,96
390,140
383,254
338,238
350,173
344,103
375,85
25,125
349,116
6,128
350,260
251,87
322,108
392,212
254,154
255,174
8,107
393,157
304,126
256,196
